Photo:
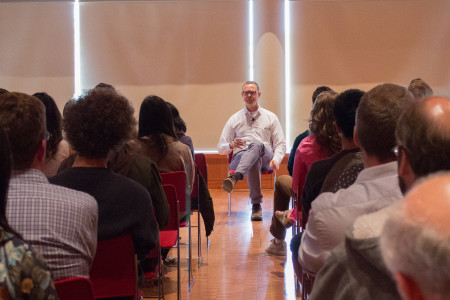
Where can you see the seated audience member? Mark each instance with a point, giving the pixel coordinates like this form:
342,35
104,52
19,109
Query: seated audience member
422,150
58,222
143,170
157,139
415,241
204,197
375,187
25,274
57,148
301,136
420,89
322,142
180,128
338,171
124,161
99,121
325,175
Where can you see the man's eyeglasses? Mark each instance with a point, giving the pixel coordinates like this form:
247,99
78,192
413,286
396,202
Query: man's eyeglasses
251,93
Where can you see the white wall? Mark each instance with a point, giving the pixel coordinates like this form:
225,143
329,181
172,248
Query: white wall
195,53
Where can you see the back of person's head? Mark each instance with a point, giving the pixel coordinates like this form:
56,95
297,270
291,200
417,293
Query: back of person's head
319,90
155,118
23,119
105,86
67,105
178,122
99,121
54,123
345,110
423,131
419,88
415,241
5,174
376,119
2,90
321,122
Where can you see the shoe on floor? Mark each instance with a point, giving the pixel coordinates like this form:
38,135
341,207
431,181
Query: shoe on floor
256,212
276,249
228,183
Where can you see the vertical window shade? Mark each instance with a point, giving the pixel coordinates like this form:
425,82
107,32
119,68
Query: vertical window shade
195,53
192,54
359,44
36,48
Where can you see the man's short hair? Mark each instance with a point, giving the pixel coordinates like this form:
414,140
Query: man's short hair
251,82
344,109
417,249
376,119
425,139
420,89
319,90
23,119
99,121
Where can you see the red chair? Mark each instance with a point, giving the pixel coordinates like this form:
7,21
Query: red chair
75,288
178,180
306,278
200,167
114,269
170,236
231,172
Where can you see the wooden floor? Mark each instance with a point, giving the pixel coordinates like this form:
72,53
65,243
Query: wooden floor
235,266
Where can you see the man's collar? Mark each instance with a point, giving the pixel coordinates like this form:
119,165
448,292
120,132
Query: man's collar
247,112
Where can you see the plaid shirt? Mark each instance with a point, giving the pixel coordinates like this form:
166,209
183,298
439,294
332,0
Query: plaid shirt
58,222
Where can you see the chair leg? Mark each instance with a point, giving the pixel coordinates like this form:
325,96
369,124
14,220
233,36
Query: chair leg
199,241
191,277
160,274
229,204
178,268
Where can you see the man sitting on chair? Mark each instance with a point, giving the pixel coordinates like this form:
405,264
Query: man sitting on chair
256,138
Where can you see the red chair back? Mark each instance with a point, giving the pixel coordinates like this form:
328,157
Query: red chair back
74,289
200,161
178,180
114,271
171,195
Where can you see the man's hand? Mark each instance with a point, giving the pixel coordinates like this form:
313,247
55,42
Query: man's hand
274,165
237,143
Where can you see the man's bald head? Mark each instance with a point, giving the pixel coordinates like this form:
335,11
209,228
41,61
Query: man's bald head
429,203
423,134
415,243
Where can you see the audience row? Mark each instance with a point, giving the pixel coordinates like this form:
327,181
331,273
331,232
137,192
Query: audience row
61,201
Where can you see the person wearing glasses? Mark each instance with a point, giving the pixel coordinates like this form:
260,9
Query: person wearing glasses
256,138
422,152
375,187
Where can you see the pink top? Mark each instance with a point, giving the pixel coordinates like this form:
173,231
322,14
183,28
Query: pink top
307,153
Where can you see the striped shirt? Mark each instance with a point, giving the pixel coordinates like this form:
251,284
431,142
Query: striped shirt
58,222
